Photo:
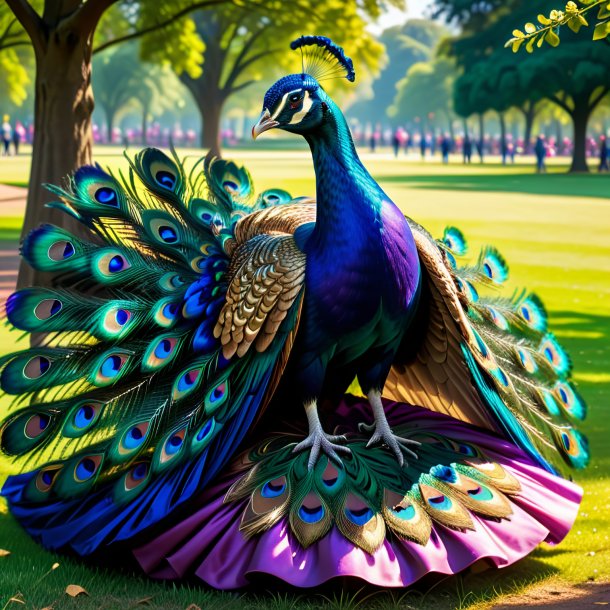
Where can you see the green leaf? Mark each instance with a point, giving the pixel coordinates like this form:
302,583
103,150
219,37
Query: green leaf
529,47
518,34
583,21
601,30
552,38
574,24
543,20
604,12
530,28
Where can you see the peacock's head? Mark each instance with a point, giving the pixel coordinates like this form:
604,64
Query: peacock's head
297,103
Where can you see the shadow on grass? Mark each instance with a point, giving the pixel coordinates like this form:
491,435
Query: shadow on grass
573,185
27,575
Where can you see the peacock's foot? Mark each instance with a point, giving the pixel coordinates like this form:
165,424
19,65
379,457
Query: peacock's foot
319,442
382,433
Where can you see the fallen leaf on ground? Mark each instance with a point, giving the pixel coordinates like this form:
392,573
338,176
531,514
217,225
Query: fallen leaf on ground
144,601
4,553
75,590
17,600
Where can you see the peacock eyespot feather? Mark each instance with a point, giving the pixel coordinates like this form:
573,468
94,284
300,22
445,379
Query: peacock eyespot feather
84,416
168,234
36,425
61,250
36,367
139,471
122,316
111,366
166,179
47,308
116,264
230,186
46,478
87,468
133,438
311,514
107,196
274,488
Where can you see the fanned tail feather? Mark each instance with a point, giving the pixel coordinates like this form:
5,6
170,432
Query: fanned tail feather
130,397
519,367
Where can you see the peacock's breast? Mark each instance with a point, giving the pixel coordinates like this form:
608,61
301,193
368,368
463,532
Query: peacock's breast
364,269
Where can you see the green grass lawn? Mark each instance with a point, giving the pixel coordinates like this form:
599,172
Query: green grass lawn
554,231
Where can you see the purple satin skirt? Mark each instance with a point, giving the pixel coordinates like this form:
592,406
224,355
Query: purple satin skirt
209,544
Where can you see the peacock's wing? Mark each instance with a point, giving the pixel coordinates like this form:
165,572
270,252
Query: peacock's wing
166,331
488,359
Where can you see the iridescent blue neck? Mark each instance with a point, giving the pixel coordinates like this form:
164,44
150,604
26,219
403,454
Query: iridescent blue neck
346,193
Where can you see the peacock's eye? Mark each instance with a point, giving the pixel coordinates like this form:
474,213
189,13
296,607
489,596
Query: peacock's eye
294,99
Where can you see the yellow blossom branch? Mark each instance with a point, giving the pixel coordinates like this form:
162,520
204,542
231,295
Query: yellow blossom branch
548,28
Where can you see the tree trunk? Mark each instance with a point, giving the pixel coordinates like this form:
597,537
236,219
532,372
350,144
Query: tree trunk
109,123
63,139
529,114
503,150
580,119
558,136
211,111
145,109
481,137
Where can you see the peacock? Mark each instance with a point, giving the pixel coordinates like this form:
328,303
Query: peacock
184,334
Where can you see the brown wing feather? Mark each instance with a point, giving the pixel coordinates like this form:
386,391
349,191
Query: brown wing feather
437,377
267,277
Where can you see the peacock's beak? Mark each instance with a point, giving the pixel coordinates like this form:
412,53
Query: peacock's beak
265,123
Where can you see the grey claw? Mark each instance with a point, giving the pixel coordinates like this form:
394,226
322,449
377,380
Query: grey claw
362,427
395,443
318,441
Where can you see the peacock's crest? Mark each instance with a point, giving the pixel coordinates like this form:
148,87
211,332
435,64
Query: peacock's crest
323,59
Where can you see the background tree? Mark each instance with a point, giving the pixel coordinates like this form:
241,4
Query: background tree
240,46
14,57
62,37
426,89
575,76
121,79
414,41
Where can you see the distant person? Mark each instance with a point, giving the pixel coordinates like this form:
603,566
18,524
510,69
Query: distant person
503,150
445,148
423,145
540,152
467,149
396,141
511,149
480,144
603,154
7,134
372,142
18,136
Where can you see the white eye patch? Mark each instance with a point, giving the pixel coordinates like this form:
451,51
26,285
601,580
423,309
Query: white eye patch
301,114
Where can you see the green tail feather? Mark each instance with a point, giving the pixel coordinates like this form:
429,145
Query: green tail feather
368,496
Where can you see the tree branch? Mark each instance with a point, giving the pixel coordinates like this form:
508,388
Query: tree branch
160,25
561,104
240,87
240,64
598,98
17,43
89,14
30,21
